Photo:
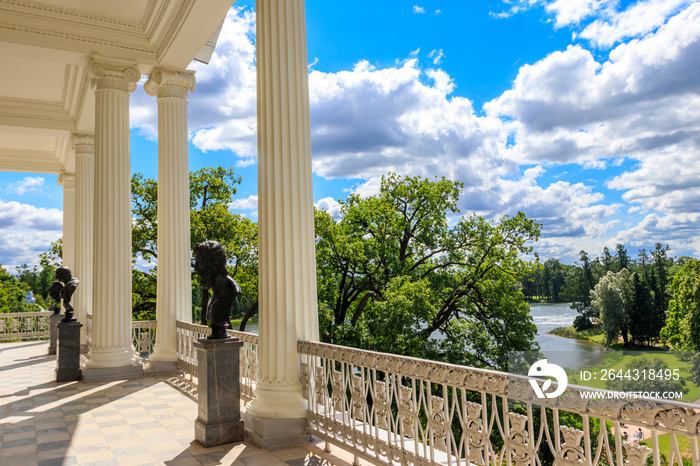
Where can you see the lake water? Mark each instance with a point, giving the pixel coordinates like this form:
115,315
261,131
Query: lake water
576,354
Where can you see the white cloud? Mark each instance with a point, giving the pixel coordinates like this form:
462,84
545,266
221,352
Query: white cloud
368,188
27,184
437,12
436,56
643,103
330,205
418,10
25,232
636,21
570,108
414,53
222,110
249,203
567,12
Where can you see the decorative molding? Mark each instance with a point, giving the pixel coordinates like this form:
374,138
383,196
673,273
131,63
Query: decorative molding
31,166
113,73
55,11
67,180
166,82
60,115
84,145
46,24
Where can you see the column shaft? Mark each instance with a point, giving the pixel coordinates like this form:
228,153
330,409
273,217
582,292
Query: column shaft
84,224
67,180
174,289
287,270
111,304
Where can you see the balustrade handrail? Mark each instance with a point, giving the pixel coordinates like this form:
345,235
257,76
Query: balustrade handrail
394,409
23,325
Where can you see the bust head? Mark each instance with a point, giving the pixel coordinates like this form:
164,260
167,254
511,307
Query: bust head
209,261
55,290
63,274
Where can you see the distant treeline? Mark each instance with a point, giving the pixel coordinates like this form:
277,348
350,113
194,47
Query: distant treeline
644,289
561,283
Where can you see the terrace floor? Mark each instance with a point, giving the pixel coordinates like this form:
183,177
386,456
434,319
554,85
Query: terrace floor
128,422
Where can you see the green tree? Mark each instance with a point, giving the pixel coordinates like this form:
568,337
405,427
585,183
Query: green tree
612,298
12,293
393,276
641,312
53,257
578,290
211,192
623,260
682,329
661,265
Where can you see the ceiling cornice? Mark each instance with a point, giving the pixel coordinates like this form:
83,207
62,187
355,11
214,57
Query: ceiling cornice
29,161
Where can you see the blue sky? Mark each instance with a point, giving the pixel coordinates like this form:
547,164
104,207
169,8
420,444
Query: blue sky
584,114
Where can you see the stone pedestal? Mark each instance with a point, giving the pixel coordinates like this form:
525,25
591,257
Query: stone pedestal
219,406
68,354
53,331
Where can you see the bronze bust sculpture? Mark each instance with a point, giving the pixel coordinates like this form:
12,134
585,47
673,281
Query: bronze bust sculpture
55,293
64,275
210,265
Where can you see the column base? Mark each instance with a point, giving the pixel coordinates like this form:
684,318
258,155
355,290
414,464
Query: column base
275,434
95,373
161,368
278,401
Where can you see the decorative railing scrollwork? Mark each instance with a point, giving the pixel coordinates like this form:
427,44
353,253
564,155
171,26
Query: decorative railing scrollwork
24,325
143,336
400,410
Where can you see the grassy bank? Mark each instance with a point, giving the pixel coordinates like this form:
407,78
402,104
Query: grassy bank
236,323
594,334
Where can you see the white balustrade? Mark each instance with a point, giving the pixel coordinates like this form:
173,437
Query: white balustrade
143,336
24,325
188,333
398,410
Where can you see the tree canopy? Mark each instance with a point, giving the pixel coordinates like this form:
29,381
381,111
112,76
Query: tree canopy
211,192
682,330
394,276
612,298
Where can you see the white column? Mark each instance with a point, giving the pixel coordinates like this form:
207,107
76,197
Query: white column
287,271
67,180
174,289
111,354
84,146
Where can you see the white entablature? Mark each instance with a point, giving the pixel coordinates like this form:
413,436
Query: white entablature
45,93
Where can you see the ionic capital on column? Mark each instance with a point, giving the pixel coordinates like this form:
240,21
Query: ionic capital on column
84,145
67,180
113,73
166,82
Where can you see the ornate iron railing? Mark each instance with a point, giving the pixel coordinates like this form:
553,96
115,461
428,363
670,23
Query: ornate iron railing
24,325
143,336
398,410
188,333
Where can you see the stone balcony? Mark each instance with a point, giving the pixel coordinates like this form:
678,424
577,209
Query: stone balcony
372,407
146,421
